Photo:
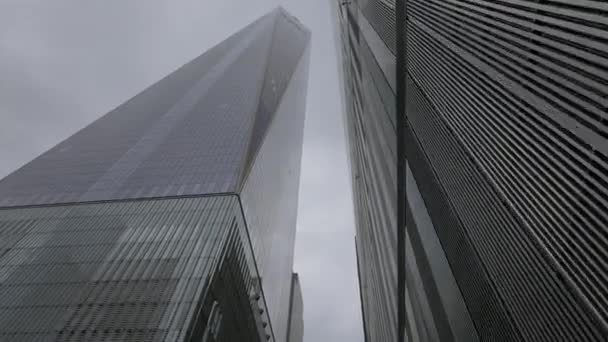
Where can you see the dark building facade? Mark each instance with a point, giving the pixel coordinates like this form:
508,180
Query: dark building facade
172,217
295,330
366,38
506,137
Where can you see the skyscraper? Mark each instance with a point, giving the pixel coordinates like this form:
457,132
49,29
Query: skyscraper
507,170
172,217
295,331
366,37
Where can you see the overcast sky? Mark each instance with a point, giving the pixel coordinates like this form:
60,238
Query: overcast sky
65,63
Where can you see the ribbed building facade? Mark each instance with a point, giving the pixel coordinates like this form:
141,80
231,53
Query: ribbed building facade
506,139
366,48
171,218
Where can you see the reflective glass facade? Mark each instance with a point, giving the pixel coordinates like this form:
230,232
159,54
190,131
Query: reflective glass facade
296,312
195,132
179,227
507,168
120,271
367,65
270,192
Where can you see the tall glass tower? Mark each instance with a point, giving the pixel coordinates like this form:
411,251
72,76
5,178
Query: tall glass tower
366,39
295,331
172,217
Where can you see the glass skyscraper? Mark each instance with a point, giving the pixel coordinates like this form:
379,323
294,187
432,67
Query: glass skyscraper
295,331
172,217
367,48
506,138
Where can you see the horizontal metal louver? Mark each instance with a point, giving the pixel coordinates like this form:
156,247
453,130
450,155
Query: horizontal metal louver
522,87
370,114
382,17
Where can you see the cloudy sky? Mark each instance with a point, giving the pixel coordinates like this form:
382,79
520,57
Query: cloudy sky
65,63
